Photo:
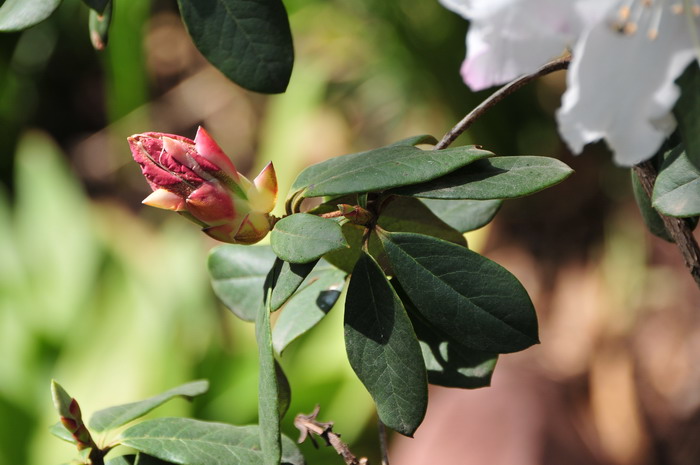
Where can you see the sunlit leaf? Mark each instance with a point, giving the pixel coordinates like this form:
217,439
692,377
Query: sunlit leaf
308,306
382,348
193,442
464,295
119,415
248,41
464,215
16,15
269,391
495,178
60,431
285,278
381,169
303,238
238,274
677,187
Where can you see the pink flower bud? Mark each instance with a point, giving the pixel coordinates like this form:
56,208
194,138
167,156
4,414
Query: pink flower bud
196,179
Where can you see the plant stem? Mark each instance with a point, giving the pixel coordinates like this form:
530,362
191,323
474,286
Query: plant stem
383,445
308,426
496,97
677,228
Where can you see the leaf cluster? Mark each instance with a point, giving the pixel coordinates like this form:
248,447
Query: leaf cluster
387,227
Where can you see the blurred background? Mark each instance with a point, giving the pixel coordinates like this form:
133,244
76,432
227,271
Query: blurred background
113,300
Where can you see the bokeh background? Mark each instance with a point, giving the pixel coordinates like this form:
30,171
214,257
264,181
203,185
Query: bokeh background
113,299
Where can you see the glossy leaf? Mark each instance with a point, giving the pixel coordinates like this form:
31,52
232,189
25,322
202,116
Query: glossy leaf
285,278
269,407
687,112
383,350
303,238
119,415
97,5
238,274
464,215
248,41
462,294
496,178
308,306
16,15
677,187
381,169
193,442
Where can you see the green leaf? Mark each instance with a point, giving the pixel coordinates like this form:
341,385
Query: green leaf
448,361
138,459
651,217
462,294
60,431
496,178
269,392
464,215
248,41
381,169
303,238
383,350
285,278
238,274
416,140
193,442
677,187
119,415
99,27
308,306
65,405
285,390
687,111
97,5
346,258
16,15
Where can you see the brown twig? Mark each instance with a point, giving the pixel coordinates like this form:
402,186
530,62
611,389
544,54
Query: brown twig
677,228
383,446
308,426
496,97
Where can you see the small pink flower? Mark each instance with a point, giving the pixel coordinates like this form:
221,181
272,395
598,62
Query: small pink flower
196,179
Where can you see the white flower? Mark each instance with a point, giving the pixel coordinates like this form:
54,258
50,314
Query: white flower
626,56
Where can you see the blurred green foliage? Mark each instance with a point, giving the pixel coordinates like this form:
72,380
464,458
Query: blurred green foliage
116,305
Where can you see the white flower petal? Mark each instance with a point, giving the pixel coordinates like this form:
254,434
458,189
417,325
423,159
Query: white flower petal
621,89
509,38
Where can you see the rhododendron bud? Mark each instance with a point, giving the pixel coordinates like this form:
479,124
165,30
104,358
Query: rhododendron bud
196,179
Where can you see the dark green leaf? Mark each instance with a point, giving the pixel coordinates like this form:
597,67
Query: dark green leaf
381,169
448,361
677,187
285,278
464,295
303,238
60,431
687,111
193,442
285,390
416,140
99,27
345,259
238,274
119,415
97,5
269,392
308,306
249,41
464,215
651,217
496,178
383,350
16,15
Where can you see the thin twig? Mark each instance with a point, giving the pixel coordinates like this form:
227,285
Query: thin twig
496,97
677,228
383,446
308,425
